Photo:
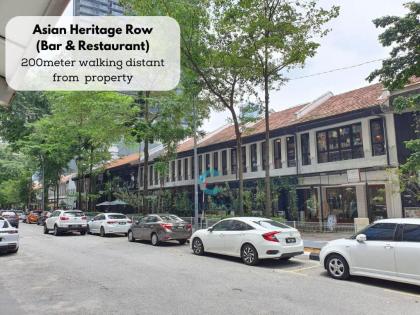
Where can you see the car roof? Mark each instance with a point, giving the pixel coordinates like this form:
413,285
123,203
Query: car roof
400,221
113,213
247,219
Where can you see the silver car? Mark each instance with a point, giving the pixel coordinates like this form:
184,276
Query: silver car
160,228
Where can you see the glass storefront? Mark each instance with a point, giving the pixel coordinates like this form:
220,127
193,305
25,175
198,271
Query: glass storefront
342,204
308,205
376,202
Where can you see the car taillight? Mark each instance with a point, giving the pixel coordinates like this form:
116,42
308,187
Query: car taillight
64,218
12,232
271,236
189,226
129,221
111,222
83,218
166,226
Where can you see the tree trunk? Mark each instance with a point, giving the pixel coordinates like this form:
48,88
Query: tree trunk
139,179
146,155
58,192
240,170
89,200
268,206
145,176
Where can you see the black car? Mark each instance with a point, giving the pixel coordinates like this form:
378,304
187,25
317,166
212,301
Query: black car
12,217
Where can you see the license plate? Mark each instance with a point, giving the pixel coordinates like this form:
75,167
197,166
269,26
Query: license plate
290,240
75,226
122,223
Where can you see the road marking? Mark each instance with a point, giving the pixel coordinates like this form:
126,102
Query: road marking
306,268
403,293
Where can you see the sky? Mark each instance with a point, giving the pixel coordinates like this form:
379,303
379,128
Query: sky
353,40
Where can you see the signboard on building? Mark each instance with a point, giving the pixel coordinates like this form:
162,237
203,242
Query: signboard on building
353,176
412,212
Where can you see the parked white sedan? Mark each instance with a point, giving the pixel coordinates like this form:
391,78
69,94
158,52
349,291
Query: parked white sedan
109,223
9,237
388,249
250,238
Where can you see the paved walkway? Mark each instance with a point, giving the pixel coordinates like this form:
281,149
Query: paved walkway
318,240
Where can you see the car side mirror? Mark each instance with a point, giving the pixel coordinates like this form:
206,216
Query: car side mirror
137,222
361,238
210,229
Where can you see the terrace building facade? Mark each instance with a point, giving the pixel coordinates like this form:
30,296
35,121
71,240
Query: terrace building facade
339,154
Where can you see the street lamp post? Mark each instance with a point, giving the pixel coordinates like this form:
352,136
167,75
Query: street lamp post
195,167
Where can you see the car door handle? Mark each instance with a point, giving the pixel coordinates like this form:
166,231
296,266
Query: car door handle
388,246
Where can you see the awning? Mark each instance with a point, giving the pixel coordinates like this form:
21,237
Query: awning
116,202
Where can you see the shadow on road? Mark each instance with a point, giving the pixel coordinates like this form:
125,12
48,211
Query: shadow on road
264,263
384,284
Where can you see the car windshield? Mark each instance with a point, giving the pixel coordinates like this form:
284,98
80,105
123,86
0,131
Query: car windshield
171,217
116,216
271,224
73,213
3,224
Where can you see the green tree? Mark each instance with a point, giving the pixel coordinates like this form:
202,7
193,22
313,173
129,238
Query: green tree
279,36
402,34
88,123
26,108
212,52
15,178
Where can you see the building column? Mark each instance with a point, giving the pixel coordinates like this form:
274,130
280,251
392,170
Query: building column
361,198
283,152
259,157
228,161
270,154
248,158
367,148
312,147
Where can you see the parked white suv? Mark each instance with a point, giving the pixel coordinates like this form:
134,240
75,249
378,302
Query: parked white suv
61,221
388,249
9,237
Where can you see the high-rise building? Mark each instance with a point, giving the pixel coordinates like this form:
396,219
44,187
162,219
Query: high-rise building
97,7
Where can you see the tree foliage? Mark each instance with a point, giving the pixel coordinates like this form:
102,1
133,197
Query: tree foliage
402,34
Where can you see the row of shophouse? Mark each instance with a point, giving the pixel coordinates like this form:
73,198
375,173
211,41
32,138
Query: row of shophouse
341,153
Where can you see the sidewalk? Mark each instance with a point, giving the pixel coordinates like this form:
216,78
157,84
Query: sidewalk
318,240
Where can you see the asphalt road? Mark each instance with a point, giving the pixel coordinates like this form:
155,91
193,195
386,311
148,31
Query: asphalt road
92,275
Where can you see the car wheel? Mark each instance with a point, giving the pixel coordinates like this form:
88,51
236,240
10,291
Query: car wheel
249,255
197,247
182,242
88,230
155,239
56,231
45,229
82,232
15,250
337,267
102,232
131,236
